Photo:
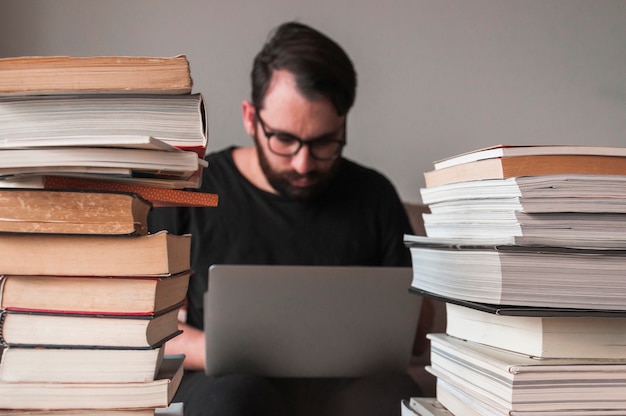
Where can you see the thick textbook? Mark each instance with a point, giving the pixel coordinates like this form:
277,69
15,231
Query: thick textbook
523,383
87,255
136,395
514,166
178,120
22,328
72,212
101,295
79,365
582,336
540,276
38,75
507,150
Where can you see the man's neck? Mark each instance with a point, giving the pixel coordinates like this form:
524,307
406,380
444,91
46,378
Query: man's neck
247,162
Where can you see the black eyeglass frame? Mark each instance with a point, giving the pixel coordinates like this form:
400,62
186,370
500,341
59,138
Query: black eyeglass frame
310,143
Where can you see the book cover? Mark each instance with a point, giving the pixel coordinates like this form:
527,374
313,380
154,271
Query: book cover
507,150
158,196
538,276
178,120
136,395
161,253
100,295
24,328
38,75
79,365
509,167
519,382
72,212
581,336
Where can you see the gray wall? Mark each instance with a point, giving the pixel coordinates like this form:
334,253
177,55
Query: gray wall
436,77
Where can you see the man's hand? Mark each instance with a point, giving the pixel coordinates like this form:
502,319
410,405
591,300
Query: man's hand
191,343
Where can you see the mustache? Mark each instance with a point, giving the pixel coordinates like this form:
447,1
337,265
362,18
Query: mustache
292,175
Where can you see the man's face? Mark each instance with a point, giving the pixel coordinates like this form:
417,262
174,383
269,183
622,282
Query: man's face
285,110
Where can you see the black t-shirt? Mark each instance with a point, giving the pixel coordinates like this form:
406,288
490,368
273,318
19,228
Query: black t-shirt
358,220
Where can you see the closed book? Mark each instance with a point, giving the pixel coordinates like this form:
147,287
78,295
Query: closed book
125,395
174,409
514,166
101,295
582,336
70,159
72,212
23,328
501,274
573,226
37,75
558,187
461,402
150,191
522,383
87,255
79,365
507,150
178,120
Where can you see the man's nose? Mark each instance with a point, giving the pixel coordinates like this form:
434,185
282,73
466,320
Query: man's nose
303,161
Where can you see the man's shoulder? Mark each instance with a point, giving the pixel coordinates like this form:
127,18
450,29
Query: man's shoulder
220,156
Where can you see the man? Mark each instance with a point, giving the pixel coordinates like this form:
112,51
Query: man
289,199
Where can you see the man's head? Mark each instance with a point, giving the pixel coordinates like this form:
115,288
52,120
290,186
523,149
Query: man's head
303,85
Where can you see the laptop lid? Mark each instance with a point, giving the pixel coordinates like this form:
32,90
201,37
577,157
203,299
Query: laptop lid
309,321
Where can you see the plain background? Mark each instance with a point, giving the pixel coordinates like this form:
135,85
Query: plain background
436,77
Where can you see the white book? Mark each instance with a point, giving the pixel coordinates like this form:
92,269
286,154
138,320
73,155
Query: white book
506,150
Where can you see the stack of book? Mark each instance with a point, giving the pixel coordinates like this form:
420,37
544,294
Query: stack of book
116,123
526,246
87,297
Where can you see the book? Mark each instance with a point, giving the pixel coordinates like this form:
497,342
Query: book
72,212
124,141
174,409
541,276
142,162
178,120
582,336
508,150
136,395
582,187
79,365
495,223
84,255
460,402
101,295
157,196
515,166
39,75
22,328
522,383
508,206
423,406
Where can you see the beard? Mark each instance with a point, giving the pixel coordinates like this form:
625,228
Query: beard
282,181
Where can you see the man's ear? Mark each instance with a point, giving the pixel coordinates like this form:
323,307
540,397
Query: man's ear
248,114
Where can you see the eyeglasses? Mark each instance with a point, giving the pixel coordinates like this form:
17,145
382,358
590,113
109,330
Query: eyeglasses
326,147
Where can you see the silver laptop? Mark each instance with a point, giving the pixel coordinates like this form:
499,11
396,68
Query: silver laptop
309,321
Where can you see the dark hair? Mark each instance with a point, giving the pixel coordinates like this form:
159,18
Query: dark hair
320,65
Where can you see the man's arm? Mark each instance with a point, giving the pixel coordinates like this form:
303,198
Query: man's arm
191,343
